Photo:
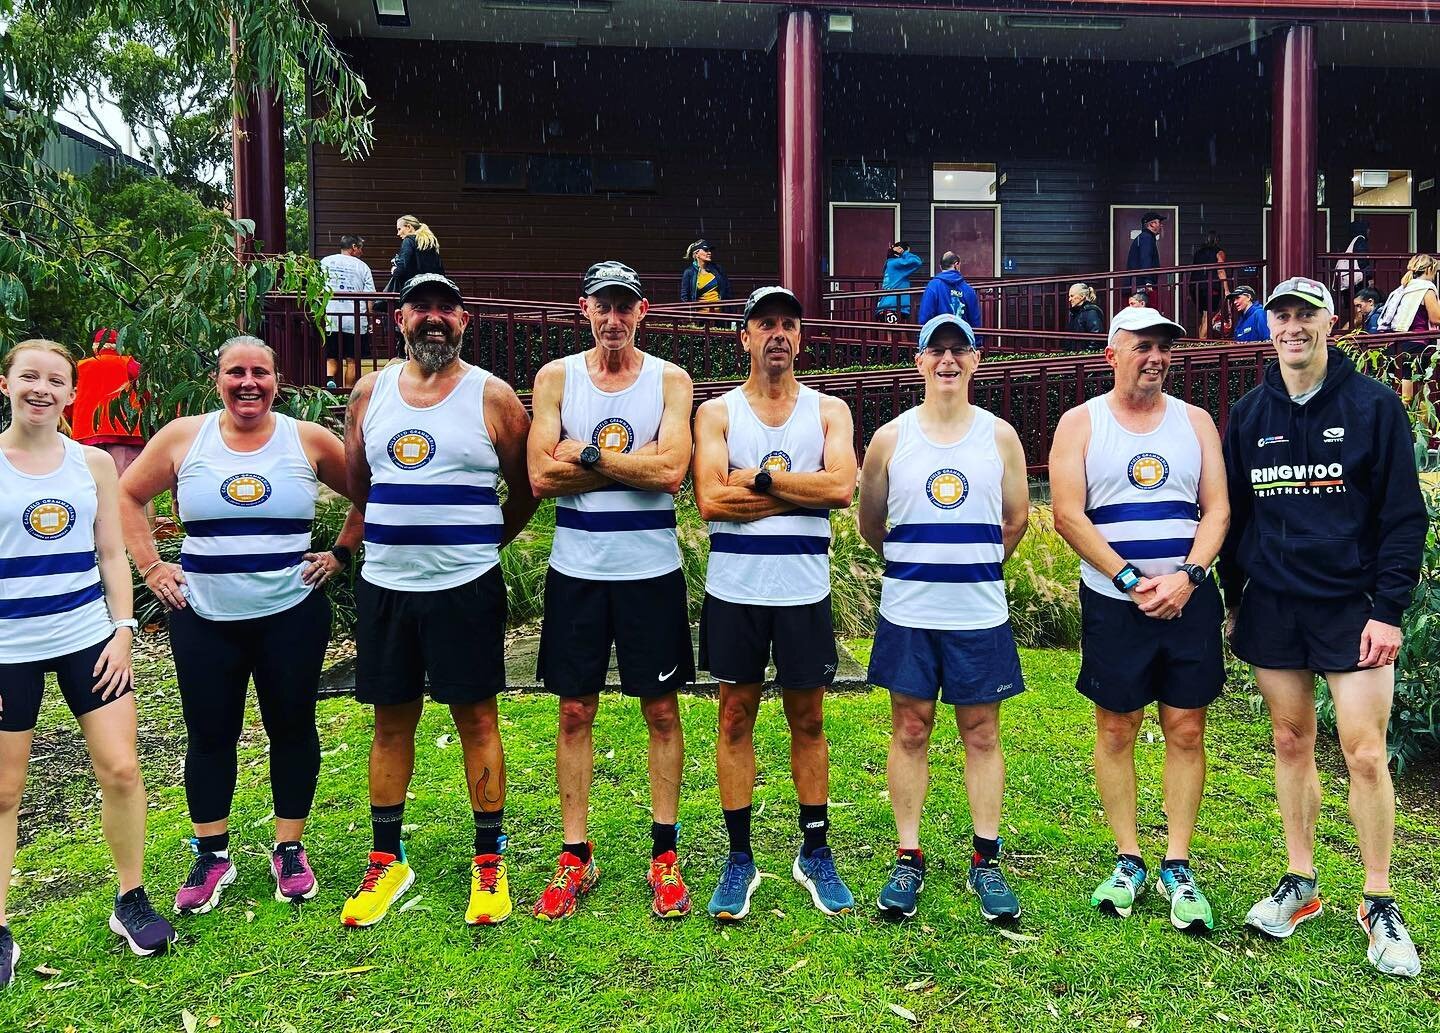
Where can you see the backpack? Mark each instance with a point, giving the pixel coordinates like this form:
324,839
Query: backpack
1390,310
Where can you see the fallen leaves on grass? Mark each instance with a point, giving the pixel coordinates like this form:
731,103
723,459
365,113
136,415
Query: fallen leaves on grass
187,1018
1017,937
919,984
46,972
795,967
904,1012
352,971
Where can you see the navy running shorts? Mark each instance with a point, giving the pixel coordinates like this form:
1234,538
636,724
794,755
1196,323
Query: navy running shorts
1283,633
962,668
736,641
23,685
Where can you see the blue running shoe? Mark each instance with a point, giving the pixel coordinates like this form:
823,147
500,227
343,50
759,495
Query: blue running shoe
901,894
9,956
731,900
818,875
997,901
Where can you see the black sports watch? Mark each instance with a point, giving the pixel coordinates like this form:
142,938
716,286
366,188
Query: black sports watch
589,456
1127,578
763,480
1196,573
342,554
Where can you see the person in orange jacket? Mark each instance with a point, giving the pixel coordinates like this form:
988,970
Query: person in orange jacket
93,417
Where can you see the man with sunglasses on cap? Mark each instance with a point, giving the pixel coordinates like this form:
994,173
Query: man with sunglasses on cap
1138,487
610,443
944,501
772,458
1324,550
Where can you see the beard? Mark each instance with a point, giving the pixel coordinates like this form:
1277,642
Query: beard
432,356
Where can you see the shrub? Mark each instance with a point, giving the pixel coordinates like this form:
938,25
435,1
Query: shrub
1042,580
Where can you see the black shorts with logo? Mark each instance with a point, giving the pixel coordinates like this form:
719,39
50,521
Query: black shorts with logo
736,640
454,638
1129,660
647,620
1283,633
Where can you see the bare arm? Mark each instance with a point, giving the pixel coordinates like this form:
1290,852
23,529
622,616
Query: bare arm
664,468
875,488
327,454
112,669
1014,488
357,466
1067,493
1432,308
153,471
715,496
509,428
834,486
551,477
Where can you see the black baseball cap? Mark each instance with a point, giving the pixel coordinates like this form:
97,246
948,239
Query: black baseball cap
1242,289
611,274
780,295
1152,216
444,283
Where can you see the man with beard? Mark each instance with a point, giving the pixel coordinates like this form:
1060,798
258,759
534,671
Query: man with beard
772,458
611,444
425,442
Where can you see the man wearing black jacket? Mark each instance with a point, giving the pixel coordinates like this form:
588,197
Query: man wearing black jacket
1326,533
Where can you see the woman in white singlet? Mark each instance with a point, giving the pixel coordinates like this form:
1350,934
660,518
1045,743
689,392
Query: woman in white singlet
246,601
66,608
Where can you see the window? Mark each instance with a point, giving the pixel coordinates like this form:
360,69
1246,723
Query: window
616,175
559,174
495,171
863,181
1319,189
1380,188
963,181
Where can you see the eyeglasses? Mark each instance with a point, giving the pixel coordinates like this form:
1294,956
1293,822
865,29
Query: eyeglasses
939,351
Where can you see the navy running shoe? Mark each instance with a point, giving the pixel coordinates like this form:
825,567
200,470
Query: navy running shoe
997,901
901,894
140,925
818,875
731,900
9,956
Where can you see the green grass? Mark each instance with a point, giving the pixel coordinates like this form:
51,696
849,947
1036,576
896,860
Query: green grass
257,965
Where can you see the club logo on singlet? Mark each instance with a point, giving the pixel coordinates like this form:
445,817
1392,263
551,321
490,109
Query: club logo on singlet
1148,471
245,489
411,449
48,519
947,488
613,435
776,462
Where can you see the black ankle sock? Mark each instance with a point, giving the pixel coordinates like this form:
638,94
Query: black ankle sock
663,838
737,827
385,825
986,851
1379,898
1134,859
213,844
489,831
1175,862
580,850
814,824
289,844
129,895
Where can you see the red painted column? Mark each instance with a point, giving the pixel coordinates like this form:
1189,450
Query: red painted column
797,48
258,155
1294,142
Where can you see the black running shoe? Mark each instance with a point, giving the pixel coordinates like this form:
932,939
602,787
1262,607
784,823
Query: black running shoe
9,956
141,926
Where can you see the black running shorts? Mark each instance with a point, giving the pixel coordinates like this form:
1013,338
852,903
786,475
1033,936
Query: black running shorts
736,640
647,620
1129,660
454,638
1283,633
22,686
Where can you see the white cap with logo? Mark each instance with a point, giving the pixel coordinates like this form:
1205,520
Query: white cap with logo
1137,319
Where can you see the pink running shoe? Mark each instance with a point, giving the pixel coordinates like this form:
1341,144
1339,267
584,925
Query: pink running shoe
294,878
208,877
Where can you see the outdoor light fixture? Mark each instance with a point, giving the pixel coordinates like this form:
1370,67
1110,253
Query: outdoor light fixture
1041,21
840,22
392,14
1373,179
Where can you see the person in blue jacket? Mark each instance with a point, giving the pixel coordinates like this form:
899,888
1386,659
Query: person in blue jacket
1250,321
949,291
900,265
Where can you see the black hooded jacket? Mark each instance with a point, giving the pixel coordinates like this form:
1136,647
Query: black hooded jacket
1324,497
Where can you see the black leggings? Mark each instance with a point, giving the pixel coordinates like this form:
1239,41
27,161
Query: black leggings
214,661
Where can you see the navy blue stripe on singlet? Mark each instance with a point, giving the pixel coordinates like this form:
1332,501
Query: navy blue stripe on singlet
237,526
239,563
771,544
823,514
946,534
1122,511
433,534
617,520
1157,549
39,566
46,605
391,494
954,573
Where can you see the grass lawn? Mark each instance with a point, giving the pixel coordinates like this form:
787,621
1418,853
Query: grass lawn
254,964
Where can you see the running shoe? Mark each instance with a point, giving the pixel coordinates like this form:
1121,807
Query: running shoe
489,891
901,894
208,877
1295,899
1189,910
294,878
818,875
738,882
1117,894
140,925
997,901
9,956
1391,950
572,879
386,878
672,899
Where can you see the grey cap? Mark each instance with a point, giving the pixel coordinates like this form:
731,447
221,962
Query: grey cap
611,273
422,280
778,294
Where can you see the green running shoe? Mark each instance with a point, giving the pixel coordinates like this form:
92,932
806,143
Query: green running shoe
1117,894
1189,910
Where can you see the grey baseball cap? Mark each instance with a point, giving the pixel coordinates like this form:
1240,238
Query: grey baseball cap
772,295
611,274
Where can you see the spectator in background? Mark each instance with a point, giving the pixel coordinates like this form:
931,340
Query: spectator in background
1086,317
95,418
1250,321
1208,286
1352,273
1139,299
347,331
702,279
1365,311
949,291
1412,307
900,265
1145,251
419,253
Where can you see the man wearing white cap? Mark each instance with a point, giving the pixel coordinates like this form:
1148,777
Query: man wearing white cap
1138,486
1322,556
943,499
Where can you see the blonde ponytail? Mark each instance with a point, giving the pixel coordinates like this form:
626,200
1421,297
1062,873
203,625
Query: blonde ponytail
424,238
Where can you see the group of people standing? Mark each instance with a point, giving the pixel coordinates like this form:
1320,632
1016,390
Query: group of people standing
1143,489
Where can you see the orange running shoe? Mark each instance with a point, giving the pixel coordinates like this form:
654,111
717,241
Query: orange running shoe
672,899
573,878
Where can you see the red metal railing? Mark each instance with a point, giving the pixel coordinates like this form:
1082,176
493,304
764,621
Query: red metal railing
1381,270
662,286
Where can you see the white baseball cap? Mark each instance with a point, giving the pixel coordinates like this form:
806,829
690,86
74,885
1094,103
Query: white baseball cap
1137,319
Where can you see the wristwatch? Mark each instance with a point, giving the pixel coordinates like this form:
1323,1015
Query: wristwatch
589,456
1127,578
127,622
342,554
763,480
1196,573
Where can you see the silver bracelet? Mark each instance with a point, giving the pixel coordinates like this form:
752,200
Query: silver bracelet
146,572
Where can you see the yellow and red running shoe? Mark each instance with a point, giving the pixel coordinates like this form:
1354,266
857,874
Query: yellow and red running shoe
672,899
489,891
572,879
